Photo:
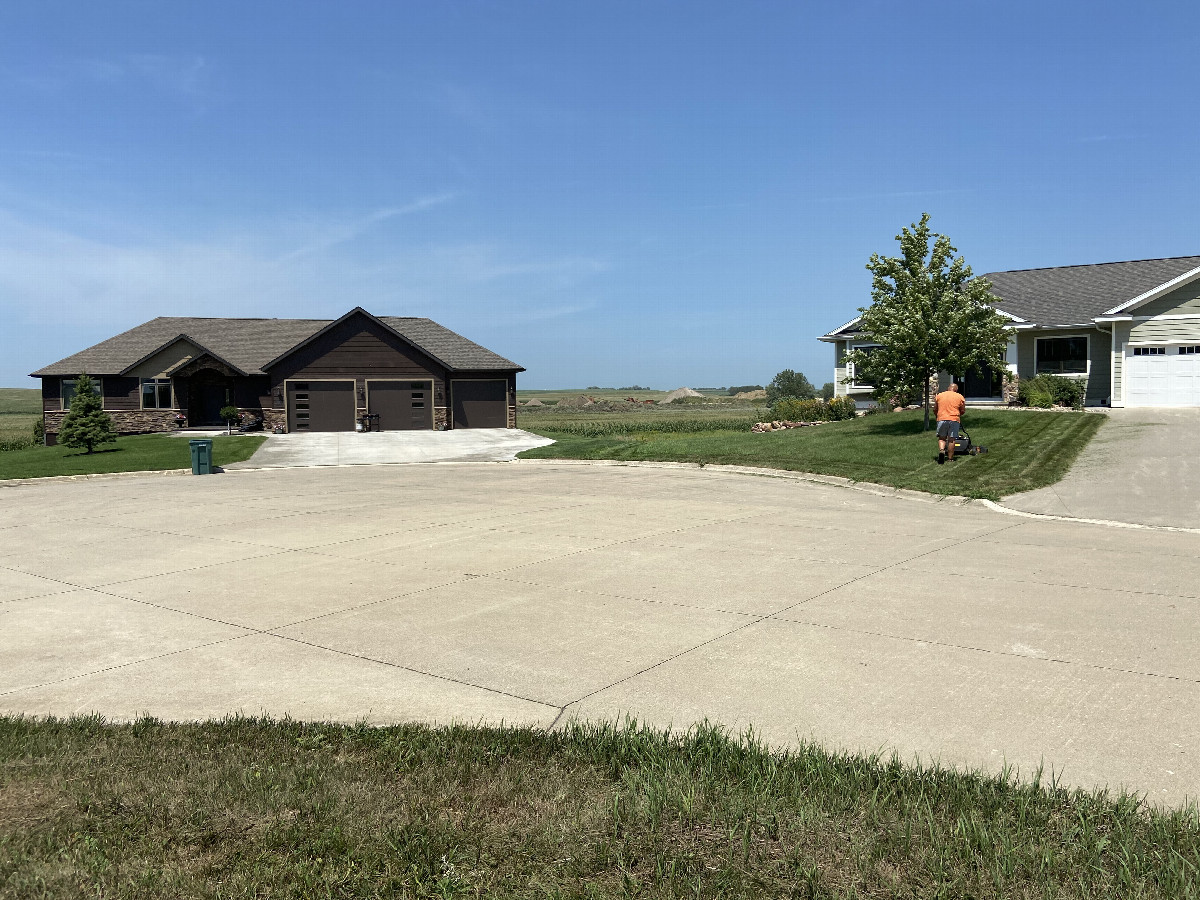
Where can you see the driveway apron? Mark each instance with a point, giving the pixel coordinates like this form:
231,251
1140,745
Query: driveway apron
1142,467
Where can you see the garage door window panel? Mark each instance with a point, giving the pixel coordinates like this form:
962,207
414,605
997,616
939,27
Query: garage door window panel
1062,356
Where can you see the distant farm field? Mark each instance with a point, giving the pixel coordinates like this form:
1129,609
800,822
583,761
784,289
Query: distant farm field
19,409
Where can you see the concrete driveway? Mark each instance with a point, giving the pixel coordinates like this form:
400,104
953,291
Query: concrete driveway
537,592
391,447
1142,467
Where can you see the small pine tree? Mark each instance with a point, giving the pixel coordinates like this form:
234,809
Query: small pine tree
86,423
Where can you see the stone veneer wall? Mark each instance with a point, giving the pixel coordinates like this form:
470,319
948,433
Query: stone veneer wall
512,416
126,421
149,421
1012,381
272,418
440,418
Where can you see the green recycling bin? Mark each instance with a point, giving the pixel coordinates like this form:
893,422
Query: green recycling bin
202,456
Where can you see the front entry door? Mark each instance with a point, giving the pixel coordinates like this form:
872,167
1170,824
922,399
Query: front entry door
985,385
205,401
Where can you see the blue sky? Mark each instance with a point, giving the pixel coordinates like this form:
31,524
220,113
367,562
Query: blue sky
610,193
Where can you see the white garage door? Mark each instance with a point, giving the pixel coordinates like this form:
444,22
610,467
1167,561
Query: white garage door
1162,376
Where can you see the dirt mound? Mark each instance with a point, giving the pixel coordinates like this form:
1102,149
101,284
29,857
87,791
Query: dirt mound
535,402
680,392
575,402
751,395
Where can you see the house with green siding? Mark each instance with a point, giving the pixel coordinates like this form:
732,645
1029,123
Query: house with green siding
1130,330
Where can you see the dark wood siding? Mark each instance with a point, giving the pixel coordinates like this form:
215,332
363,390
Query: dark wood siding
122,393
360,349
252,393
50,395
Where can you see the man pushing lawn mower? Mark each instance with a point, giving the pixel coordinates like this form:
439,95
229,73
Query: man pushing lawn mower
950,407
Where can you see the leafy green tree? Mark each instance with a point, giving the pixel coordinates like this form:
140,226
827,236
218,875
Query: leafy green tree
928,314
86,424
230,414
827,391
790,384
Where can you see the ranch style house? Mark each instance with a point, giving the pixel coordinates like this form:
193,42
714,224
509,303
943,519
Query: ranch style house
1130,330
299,374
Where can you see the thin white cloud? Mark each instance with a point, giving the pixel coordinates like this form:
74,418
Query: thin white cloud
335,234
50,276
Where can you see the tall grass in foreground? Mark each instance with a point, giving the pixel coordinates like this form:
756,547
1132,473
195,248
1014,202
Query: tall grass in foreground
247,807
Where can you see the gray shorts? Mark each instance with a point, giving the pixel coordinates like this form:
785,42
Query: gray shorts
947,430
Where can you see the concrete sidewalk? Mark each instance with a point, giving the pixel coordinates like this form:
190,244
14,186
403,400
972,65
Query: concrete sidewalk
1142,467
390,448
534,594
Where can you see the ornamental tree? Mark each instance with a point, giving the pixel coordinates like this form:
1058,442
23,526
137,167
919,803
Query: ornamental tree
928,314
86,424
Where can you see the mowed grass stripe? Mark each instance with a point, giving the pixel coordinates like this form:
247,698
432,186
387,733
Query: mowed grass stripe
1027,450
247,807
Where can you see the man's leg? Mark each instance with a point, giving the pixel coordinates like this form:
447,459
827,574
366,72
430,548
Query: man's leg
941,443
952,440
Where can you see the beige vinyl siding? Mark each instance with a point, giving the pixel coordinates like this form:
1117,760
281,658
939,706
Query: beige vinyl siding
839,369
1185,299
1166,330
1026,360
168,358
1120,336
1100,371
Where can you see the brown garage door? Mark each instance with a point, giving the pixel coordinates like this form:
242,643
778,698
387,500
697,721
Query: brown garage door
320,406
401,405
480,404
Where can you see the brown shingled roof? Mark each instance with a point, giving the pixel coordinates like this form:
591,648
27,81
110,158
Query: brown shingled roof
249,344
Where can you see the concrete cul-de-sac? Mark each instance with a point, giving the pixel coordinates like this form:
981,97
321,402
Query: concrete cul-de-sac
540,592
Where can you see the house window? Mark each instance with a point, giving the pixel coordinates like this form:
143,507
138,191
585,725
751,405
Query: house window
1185,350
1149,351
856,371
156,393
68,390
1062,356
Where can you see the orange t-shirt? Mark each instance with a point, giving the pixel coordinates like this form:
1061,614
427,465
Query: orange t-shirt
950,406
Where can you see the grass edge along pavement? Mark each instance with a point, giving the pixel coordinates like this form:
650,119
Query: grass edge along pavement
1027,449
243,807
131,453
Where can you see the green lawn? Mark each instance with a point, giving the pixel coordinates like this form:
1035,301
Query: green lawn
250,808
136,453
1027,450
